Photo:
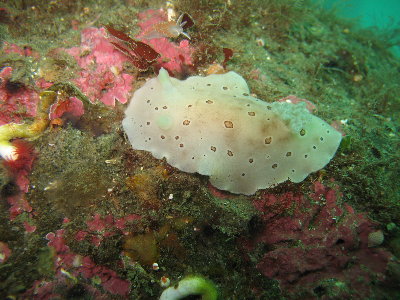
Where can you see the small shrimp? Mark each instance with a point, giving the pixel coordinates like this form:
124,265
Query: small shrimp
170,29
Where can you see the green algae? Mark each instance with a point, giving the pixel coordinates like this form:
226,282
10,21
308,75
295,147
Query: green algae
71,174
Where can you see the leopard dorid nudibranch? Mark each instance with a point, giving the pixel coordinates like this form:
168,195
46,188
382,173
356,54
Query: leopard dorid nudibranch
211,125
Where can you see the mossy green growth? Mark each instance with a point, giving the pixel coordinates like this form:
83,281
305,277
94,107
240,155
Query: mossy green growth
190,286
347,144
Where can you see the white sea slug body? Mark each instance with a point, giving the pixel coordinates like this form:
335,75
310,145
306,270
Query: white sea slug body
212,126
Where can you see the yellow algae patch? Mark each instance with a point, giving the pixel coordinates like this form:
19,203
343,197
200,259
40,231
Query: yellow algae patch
142,248
146,185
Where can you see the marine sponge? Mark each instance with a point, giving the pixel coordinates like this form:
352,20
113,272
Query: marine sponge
211,125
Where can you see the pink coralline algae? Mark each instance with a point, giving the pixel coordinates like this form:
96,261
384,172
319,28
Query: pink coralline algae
29,227
57,289
219,193
18,205
24,51
312,240
100,227
16,100
339,125
175,58
101,77
293,99
76,265
71,106
109,278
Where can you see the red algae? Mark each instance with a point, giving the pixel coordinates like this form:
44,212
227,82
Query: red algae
71,106
101,77
140,54
100,227
67,261
312,108
18,103
312,238
228,54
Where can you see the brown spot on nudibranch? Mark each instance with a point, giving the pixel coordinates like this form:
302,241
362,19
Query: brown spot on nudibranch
228,124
